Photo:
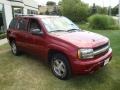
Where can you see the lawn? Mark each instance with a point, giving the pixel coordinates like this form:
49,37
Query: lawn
28,73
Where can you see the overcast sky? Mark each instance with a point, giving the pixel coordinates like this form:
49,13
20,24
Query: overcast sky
105,3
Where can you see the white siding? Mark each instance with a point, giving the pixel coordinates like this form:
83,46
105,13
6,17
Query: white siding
8,14
17,4
27,4
31,3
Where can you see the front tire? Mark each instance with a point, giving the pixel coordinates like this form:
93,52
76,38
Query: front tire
14,48
60,66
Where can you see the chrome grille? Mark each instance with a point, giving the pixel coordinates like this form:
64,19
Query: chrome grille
101,49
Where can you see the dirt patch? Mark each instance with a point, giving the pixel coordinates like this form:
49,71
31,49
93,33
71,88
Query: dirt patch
4,51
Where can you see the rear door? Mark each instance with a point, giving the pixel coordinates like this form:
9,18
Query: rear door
21,32
12,28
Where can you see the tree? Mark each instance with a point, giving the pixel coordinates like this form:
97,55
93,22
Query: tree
76,10
47,12
60,3
102,10
94,9
98,10
50,3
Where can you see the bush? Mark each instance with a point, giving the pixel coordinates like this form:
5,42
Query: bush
2,36
1,33
98,21
75,10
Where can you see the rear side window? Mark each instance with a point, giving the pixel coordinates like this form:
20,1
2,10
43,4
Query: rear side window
13,24
22,24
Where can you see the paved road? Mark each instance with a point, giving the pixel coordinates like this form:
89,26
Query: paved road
3,41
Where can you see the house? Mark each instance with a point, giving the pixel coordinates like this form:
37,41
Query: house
11,8
42,9
48,9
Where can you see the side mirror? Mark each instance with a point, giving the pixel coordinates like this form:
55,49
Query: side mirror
36,32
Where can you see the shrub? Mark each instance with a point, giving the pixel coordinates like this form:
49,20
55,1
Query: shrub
1,32
98,21
2,36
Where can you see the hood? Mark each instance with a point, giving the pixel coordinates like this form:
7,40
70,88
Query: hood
82,39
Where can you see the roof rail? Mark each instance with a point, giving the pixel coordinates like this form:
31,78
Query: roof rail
24,15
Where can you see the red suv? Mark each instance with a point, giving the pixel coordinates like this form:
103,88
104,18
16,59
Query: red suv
68,49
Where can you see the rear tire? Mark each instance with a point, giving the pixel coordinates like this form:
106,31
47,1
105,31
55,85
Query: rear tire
60,66
14,48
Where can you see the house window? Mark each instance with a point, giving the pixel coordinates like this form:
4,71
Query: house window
1,7
31,11
1,18
17,11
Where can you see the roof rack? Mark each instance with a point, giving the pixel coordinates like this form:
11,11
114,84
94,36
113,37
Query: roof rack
24,15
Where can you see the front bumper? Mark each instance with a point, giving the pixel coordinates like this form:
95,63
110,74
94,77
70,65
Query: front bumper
90,66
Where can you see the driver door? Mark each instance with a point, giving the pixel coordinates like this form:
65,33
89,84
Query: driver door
35,43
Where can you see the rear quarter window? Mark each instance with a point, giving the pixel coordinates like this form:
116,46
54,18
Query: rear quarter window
13,24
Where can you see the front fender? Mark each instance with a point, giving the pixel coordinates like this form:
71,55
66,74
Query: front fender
70,52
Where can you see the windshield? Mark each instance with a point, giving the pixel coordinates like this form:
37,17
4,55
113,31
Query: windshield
59,24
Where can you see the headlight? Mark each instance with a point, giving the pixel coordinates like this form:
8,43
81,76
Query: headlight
85,53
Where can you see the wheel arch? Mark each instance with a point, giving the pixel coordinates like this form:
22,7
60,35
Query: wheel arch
11,39
54,51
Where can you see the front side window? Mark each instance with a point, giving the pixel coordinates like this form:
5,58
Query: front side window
58,23
34,24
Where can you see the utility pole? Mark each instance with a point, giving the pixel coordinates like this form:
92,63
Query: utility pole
109,9
119,12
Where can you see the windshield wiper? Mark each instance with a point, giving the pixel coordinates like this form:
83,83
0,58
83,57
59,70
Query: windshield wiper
73,30
58,31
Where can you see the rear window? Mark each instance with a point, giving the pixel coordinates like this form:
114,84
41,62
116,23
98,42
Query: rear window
13,24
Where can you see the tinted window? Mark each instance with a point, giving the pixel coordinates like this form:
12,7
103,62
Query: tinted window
34,24
22,24
13,24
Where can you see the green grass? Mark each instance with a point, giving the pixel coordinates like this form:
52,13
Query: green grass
28,73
